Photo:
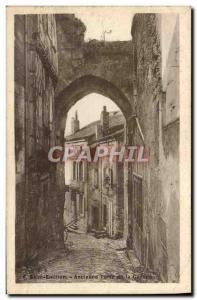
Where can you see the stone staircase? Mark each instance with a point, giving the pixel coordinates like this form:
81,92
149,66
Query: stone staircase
99,233
74,226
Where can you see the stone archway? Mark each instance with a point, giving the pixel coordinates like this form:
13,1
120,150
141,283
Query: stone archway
83,86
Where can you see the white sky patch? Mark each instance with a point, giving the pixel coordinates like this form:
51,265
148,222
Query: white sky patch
168,23
97,20
89,109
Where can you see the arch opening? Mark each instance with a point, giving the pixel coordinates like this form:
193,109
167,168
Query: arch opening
88,110
84,86
77,201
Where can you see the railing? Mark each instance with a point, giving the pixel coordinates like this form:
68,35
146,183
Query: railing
72,222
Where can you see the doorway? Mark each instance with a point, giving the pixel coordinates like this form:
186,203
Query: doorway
95,217
104,215
110,223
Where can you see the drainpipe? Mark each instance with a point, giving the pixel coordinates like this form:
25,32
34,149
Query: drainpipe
101,192
25,134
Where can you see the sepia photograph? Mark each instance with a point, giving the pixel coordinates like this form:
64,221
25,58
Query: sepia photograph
98,171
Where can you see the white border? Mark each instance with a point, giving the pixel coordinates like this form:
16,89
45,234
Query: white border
117,288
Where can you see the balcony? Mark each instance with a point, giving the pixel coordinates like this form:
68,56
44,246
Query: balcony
77,185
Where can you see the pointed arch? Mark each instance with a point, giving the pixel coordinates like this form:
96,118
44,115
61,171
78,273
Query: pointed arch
83,86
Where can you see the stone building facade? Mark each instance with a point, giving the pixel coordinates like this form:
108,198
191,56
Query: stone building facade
96,191
105,188
156,102
36,69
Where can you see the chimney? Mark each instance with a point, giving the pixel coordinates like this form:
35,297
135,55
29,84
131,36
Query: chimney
105,121
98,131
75,123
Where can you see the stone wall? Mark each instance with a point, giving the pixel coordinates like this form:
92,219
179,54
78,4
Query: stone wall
19,68
108,60
169,153
35,80
154,101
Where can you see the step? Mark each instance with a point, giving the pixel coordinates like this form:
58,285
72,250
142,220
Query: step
100,234
72,227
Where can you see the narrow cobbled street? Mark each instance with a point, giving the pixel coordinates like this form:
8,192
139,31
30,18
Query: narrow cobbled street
86,258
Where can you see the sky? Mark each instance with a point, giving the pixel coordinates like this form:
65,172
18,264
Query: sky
89,109
98,20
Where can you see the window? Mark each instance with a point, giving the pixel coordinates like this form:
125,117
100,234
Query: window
81,165
78,170
96,177
104,215
108,177
111,176
74,170
104,174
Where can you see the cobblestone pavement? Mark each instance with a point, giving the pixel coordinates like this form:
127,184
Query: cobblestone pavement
86,259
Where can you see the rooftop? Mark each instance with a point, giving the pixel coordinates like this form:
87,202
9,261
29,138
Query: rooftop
116,121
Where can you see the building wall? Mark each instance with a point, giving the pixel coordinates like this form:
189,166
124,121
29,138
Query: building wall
19,69
107,192
169,152
35,80
157,107
75,207
103,203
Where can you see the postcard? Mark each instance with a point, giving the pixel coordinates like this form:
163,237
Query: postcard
98,150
